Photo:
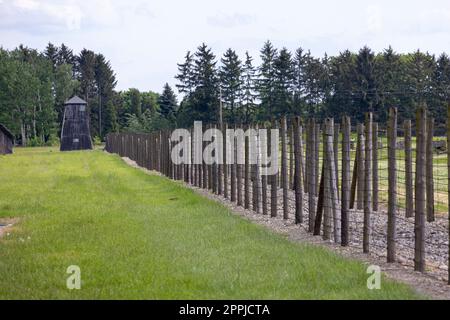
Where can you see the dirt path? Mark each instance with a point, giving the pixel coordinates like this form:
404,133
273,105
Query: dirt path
424,284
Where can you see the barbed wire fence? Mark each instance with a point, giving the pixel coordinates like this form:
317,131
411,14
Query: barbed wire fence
383,188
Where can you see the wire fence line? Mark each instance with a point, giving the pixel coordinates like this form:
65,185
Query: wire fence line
384,188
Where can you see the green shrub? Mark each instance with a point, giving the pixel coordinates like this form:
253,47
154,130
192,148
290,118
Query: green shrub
36,142
97,141
53,141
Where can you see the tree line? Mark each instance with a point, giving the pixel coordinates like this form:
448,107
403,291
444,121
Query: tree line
34,86
297,83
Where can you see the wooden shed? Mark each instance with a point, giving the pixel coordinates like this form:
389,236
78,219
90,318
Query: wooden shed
75,132
6,140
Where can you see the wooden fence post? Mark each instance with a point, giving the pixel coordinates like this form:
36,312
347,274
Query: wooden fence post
291,154
326,193
150,151
188,166
409,208
166,155
429,170
354,181
171,165
247,173
158,147
233,169
210,168
284,164
345,188
298,178
221,164
367,183
302,156
361,169
317,155
331,184
420,190
274,178
307,155
392,185
256,184
204,165
145,151
336,155
239,168
148,143
320,203
312,175
375,166
215,166
198,166
163,153
225,161
264,177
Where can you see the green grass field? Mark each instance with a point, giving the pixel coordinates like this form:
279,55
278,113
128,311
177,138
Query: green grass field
139,236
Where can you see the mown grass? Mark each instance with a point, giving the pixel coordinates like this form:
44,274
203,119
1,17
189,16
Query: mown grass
137,236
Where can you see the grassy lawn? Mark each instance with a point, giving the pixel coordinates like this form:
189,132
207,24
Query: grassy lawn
144,237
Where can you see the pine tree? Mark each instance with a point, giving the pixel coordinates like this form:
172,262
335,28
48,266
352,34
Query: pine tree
230,81
186,75
149,102
86,73
299,81
168,103
420,69
343,77
134,100
441,85
105,81
65,56
204,105
284,76
64,88
266,80
51,52
366,81
314,93
388,68
248,94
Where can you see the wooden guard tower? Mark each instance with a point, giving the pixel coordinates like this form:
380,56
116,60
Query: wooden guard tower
75,132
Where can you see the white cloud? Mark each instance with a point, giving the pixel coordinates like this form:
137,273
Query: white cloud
71,15
26,4
374,19
229,20
145,39
434,20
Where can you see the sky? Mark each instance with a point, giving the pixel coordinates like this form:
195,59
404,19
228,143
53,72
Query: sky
144,40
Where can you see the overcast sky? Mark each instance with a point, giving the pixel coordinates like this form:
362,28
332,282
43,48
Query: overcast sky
144,40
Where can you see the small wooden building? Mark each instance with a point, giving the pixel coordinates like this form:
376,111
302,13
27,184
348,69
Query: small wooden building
6,140
75,132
